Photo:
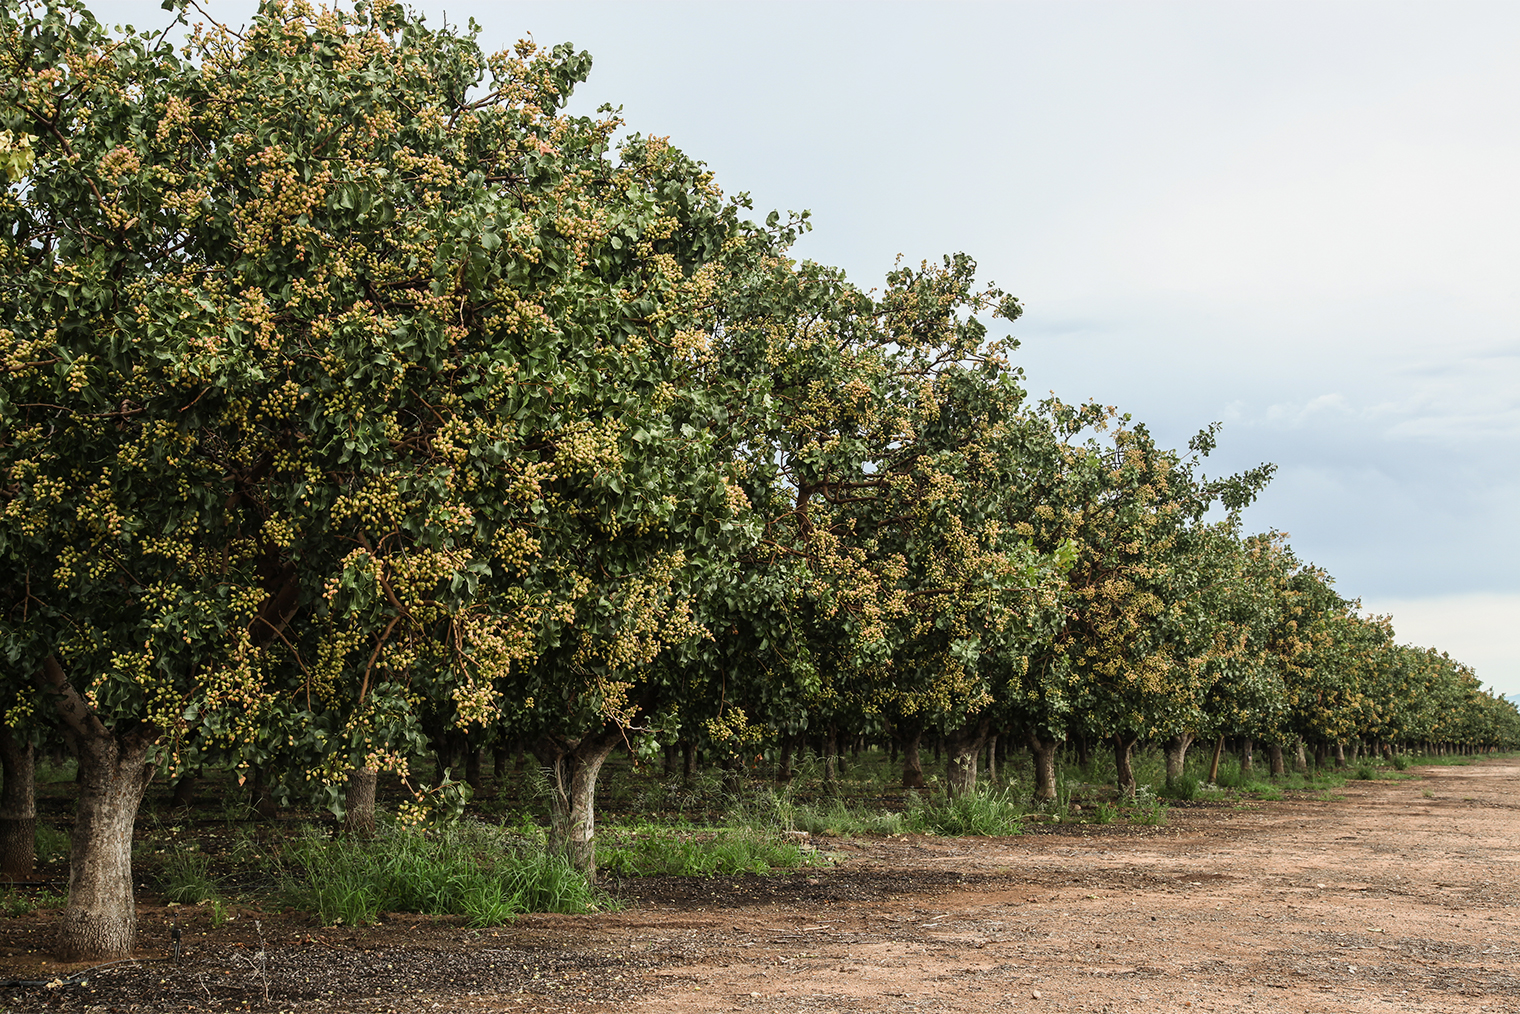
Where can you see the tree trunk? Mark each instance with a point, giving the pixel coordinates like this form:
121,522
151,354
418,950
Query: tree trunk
1084,752
1275,754
472,776
1175,750
183,796
962,748
688,760
1246,765
1214,761
1044,753
992,770
1124,747
499,757
359,802
100,922
1340,754
573,766
913,767
784,761
831,760
18,805
258,790
1300,760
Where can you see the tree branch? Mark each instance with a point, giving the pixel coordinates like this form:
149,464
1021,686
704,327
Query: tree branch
72,709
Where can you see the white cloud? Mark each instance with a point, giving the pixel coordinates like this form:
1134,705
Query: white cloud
1301,414
1482,631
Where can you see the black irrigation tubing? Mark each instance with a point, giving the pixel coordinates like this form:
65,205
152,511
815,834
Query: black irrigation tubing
76,979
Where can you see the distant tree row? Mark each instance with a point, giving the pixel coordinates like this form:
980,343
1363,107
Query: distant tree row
358,403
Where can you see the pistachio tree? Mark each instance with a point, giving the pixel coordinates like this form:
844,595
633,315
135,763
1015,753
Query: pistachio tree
345,377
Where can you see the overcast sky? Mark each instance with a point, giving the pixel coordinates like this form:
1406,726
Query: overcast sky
1300,219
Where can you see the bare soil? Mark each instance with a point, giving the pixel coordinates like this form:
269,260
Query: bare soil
1387,896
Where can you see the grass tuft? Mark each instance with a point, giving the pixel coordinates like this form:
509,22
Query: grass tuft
1180,788
984,811
187,878
468,869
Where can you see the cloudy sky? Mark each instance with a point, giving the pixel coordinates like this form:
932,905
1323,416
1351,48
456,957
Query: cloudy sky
1300,219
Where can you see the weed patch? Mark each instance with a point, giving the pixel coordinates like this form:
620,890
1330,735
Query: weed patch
52,844
15,903
468,869
1183,788
661,851
981,812
187,878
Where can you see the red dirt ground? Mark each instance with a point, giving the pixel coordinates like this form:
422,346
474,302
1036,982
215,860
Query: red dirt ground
1389,896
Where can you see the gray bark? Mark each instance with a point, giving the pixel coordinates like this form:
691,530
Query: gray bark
1124,747
1175,752
18,805
359,802
100,922
1044,753
962,748
913,767
573,766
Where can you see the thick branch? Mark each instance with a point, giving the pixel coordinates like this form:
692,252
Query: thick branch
76,714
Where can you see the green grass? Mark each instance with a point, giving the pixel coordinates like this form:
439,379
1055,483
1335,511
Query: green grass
985,811
649,850
837,818
52,844
187,879
15,903
467,868
50,772
1183,788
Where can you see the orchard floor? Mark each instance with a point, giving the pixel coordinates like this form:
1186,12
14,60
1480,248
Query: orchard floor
1388,896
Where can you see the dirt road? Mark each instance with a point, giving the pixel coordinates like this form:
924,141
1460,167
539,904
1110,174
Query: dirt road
1392,896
